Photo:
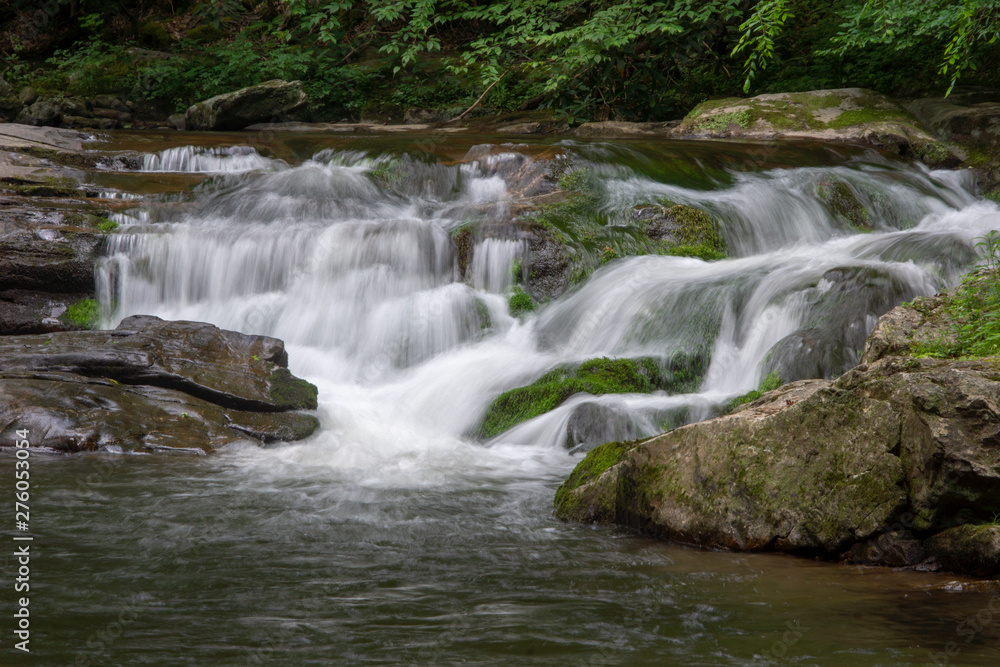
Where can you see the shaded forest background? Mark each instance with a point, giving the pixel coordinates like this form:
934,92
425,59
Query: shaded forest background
584,60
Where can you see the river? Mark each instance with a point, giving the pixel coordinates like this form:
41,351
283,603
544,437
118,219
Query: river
394,536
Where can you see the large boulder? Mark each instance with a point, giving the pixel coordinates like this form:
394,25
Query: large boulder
43,111
876,466
150,385
853,115
247,106
971,121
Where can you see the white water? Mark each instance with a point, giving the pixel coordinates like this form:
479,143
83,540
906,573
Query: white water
360,281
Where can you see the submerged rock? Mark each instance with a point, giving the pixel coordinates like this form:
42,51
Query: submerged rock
256,104
151,385
880,465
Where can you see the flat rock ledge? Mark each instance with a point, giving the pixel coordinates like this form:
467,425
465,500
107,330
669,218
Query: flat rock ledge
151,386
896,462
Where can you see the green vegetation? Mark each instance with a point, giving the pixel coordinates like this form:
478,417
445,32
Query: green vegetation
596,461
973,309
680,374
597,376
584,59
519,302
770,382
83,314
106,226
291,392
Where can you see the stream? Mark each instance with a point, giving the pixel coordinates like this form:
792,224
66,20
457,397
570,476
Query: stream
394,536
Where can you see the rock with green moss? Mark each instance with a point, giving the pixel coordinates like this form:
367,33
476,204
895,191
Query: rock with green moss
853,115
684,231
896,448
597,376
842,200
82,314
151,386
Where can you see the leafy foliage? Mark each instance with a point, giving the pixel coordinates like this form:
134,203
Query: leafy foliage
974,308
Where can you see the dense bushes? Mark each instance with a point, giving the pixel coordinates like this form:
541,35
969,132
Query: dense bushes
586,59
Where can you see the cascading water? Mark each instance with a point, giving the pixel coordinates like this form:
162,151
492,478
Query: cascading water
358,274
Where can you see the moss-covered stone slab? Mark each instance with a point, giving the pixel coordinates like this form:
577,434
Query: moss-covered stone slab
853,115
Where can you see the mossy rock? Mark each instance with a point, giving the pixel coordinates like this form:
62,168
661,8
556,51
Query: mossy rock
840,197
854,115
290,392
593,465
84,314
597,377
684,231
205,34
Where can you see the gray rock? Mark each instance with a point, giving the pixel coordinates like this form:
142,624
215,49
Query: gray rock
42,112
422,116
593,424
151,385
973,549
257,104
27,96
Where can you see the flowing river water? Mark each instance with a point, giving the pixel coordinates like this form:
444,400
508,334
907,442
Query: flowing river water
394,536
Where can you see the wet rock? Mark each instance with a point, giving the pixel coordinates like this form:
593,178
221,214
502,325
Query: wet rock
423,116
898,548
43,112
974,125
849,295
257,104
549,266
27,96
845,467
30,312
593,424
973,549
58,263
151,385
620,129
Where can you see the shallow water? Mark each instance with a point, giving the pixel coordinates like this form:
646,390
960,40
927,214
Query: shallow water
392,536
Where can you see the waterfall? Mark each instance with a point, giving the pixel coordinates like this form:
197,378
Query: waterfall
350,259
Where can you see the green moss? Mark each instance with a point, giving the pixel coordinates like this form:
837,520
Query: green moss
519,302
867,115
844,203
385,174
577,180
993,196
106,226
154,35
771,382
290,392
82,314
590,468
722,121
50,187
597,376
205,34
